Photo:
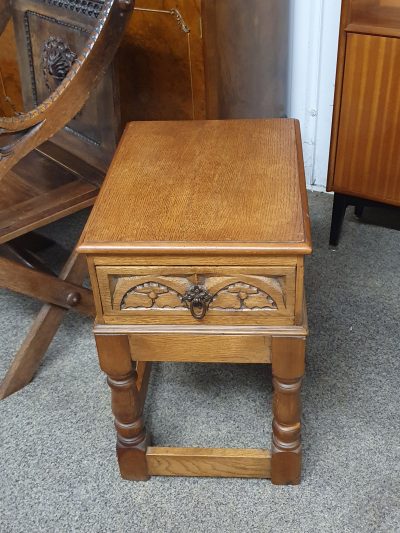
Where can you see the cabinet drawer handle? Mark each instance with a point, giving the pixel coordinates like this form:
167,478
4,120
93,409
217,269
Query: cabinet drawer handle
198,299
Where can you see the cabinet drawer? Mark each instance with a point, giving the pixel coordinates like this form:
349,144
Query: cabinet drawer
198,294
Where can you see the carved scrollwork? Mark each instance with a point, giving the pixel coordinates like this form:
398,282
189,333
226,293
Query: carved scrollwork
57,60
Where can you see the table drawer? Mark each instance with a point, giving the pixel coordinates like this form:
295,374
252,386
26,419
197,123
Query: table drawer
198,294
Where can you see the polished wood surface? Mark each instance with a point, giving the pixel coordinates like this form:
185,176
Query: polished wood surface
188,301
21,133
288,362
266,294
44,287
374,17
10,82
183,260
344,19
219,172
180,59
161,62
246,53
369,120
127,405
200,329
43,191
209,462
366,119
45,29
203,348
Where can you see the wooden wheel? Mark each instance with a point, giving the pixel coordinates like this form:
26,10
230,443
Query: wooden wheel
23,132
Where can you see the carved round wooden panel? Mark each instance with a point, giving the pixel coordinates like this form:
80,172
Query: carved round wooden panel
62,49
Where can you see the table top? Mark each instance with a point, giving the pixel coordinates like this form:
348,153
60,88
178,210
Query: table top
224,187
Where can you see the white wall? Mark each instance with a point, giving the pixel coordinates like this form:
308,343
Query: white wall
314,34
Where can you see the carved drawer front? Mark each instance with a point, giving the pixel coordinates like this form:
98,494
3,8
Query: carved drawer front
192,295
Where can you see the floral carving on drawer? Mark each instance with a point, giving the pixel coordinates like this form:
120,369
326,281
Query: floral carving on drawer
246,293
242,296
151,295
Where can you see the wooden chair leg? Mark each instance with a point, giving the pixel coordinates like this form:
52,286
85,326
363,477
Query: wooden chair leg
42,332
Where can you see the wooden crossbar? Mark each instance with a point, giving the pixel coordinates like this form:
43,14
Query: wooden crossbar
45,287
201,348
209,462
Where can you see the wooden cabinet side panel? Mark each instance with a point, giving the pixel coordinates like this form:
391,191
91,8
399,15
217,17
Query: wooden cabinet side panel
367,162
246,51
160,62
344,18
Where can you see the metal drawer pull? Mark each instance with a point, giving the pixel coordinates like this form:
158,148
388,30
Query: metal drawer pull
198,299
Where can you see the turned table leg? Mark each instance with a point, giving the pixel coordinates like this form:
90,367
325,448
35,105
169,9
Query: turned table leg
127,405
288,358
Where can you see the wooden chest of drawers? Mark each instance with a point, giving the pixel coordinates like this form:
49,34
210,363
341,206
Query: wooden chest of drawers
196,253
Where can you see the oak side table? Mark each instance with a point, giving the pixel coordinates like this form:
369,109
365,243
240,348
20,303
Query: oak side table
196,251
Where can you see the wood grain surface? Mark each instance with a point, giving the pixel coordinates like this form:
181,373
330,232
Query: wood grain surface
276,285
10,84
178,199
367,162
160,66
38,191
374,17
201,348
246,54
173,259
209,462
203,185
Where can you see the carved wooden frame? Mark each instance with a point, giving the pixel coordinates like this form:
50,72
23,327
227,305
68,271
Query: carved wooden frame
117,282
26,131
96,129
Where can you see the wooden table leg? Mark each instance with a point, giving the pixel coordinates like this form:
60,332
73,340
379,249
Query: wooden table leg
132,439
288,359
